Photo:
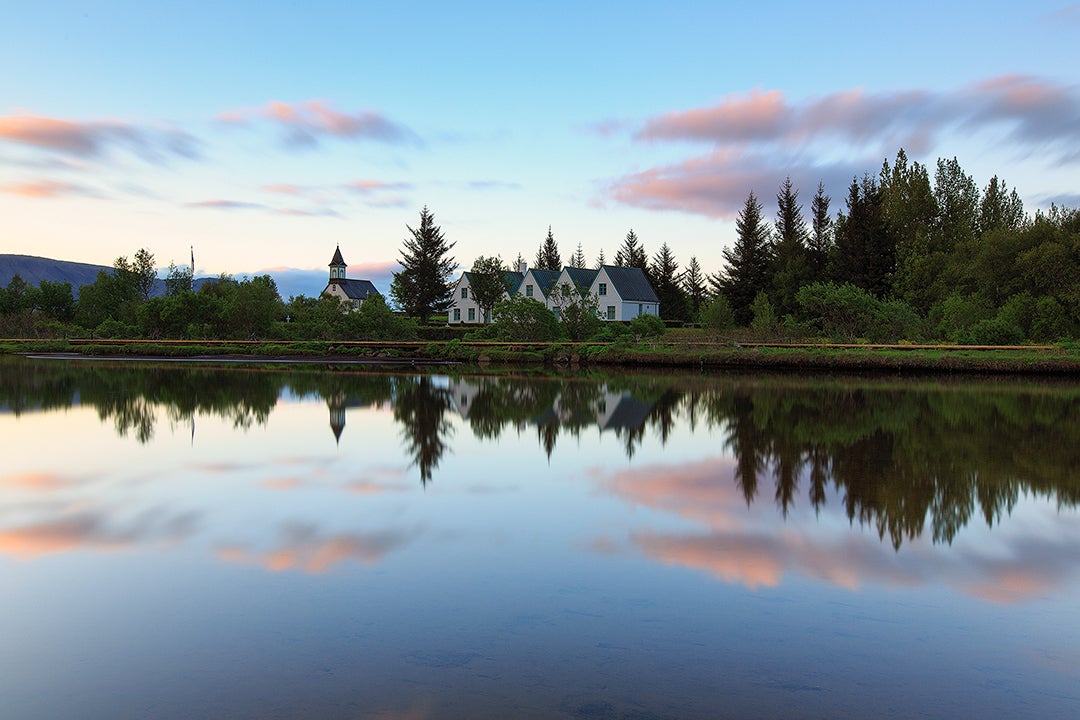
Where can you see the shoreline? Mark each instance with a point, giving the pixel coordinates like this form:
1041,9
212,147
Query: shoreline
772,357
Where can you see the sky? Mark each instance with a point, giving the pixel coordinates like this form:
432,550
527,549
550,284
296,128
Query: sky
265,134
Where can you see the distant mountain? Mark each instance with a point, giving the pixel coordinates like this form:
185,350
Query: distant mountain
33,270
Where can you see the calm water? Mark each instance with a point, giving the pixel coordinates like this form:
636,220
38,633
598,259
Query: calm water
181,542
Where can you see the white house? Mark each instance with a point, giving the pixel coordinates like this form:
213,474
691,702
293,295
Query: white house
465,309
537,284
624,293
348,291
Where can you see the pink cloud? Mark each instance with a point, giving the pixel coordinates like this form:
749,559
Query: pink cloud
221,204
92,139
758,116
306,122
46,189
285,189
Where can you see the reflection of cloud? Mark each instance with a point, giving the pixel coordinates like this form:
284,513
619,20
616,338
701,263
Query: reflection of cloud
757,547
302,547
94,531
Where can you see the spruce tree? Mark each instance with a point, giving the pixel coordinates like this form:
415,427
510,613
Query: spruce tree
791,266
601,261
665,280
819,245
422,287
632,253
577,260
548,257
693,283
747,271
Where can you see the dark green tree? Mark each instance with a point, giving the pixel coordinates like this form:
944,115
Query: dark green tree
819,244
577,260
632,253
747,263
999,209
693,283
665,280
601,261
178,280
865,250
548,257
422,287
791,263
488,283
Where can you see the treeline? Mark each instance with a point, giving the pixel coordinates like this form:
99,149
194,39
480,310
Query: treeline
908,257
119,304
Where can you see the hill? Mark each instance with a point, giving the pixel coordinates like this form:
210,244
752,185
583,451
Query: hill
34,269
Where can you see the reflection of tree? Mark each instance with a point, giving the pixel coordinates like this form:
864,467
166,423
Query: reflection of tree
421,408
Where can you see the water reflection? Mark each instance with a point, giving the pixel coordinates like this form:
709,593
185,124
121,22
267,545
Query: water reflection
898,455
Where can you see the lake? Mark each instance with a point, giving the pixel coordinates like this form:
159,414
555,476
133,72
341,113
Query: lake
193,541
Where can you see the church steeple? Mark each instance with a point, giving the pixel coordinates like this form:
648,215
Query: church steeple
337,266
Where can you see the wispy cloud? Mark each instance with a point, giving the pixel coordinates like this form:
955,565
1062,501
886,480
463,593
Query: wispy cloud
47,189
306,123
305,548
222,204
368,187
760,137
95,139
492,185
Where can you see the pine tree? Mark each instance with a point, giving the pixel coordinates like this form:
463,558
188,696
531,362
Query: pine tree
665,279
791,265
548,257
423,287
577,260
747,270
693,283
865,254
819,245
632,253
601,261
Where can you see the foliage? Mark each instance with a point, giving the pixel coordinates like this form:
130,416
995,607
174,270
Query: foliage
846,312
746,271
763,316
632,253
488,283
647,326
717,314
577,310
522,318
693,284
665,281
548,257
422,287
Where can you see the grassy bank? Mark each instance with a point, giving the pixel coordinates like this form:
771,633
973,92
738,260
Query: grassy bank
692,352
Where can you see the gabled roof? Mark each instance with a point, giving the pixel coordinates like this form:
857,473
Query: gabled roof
582,277
545,279
513,279
631,283
337,259
357,289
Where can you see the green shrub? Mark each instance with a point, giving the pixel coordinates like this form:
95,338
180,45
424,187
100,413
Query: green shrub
717,315
647,326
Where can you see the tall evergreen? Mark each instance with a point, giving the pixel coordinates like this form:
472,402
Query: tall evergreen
577,260
632,253
601,261
423,287
865,251
548,257
665,280
693,283
819,244
791,265
747,263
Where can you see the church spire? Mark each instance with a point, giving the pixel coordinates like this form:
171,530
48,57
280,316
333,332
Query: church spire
337,266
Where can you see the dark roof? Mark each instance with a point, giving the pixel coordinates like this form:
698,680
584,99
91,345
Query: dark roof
357,289
512,278
546,279
582,277
337,259
631,283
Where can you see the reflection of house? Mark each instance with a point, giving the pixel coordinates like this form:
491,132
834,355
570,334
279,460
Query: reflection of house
344,289
465,309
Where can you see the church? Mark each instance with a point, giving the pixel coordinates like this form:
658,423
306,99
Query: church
348,291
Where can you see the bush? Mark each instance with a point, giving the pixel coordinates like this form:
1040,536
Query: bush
646,326
717,315
522,318
995,331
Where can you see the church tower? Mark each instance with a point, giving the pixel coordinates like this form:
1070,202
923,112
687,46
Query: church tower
337,267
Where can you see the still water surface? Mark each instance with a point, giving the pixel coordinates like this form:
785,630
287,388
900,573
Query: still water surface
181,542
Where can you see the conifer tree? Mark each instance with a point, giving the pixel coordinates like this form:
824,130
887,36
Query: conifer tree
747,271
632,253
665,280
821,239
548,257
422,287
577,260
791,266
693,283
601,261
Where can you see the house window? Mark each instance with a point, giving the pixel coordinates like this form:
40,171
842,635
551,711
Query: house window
528,291
602,290
356,304
566,289
610,312
464,292
472,314
457,314
640,309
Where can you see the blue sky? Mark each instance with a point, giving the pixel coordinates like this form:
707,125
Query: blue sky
264,134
